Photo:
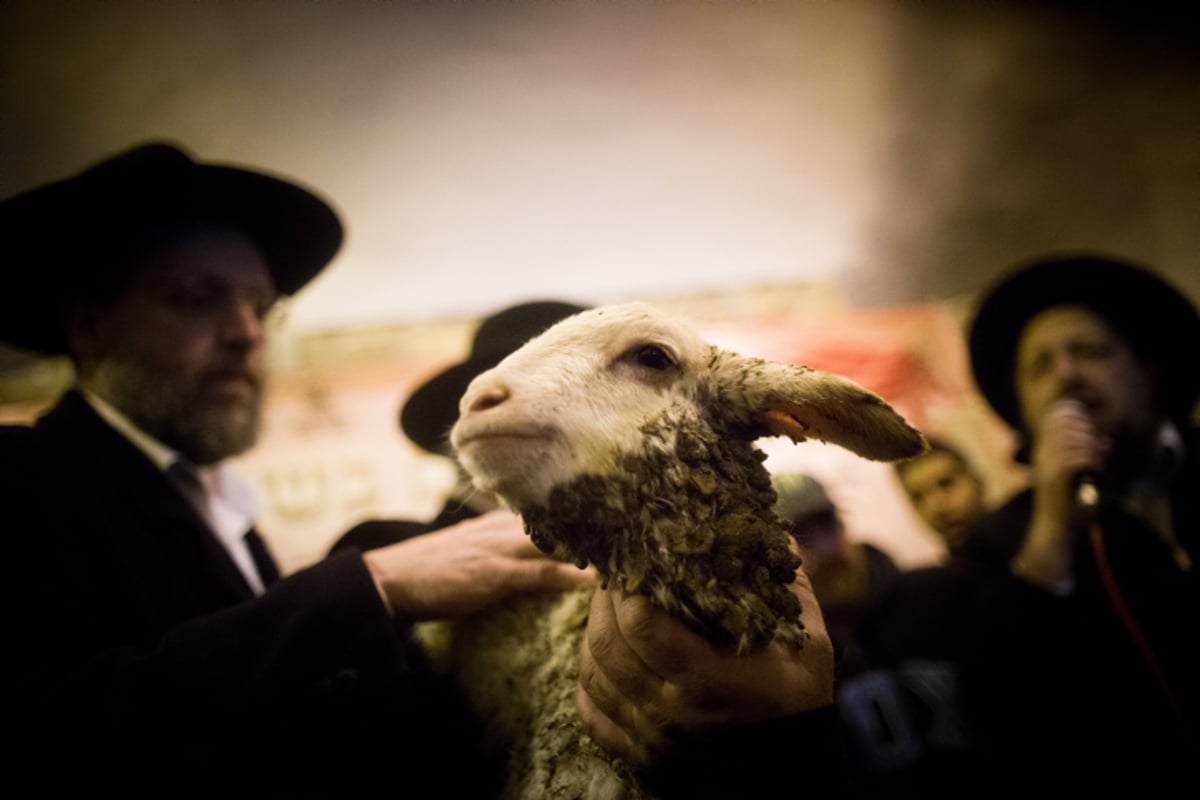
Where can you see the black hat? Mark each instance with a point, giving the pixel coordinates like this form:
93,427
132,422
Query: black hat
67,238
800,497
1157,321
432,409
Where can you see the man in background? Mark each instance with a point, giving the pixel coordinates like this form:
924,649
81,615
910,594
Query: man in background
945,490
1092,360
848,576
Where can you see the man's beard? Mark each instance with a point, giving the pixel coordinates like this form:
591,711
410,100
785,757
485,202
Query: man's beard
180,413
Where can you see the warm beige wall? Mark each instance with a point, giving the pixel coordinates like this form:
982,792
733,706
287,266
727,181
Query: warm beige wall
482,150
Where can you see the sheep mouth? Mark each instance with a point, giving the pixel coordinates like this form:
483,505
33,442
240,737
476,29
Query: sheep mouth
491,437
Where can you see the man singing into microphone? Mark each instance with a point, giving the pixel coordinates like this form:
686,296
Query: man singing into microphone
1084,671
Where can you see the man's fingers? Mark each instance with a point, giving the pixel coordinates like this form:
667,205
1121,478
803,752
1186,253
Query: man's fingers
614,721
601,695
528,575
667,646
810,610
606,733
606,640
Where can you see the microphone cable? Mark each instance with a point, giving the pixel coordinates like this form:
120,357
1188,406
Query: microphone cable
1109,579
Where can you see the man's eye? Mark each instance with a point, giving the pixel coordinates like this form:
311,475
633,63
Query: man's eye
1035,368
269,310
1097,351
654,357
192,298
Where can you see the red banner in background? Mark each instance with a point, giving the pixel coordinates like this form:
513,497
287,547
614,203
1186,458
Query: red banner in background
914,357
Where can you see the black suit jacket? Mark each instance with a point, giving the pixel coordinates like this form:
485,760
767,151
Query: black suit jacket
374,533
139,661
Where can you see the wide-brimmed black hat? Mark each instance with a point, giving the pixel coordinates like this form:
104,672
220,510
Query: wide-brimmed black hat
66,240
801,496
431,410
1155,318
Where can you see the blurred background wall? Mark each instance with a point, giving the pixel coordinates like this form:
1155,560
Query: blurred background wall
827,182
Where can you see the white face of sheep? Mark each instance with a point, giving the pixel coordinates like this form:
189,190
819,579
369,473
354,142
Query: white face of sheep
576,398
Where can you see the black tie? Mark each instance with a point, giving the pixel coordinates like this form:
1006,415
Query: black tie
185,477
187,481
262,559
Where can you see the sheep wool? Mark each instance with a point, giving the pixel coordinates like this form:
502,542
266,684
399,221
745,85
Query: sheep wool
626,442
690,523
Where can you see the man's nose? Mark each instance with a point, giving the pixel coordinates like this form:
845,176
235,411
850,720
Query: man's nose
242,321
936,499
1066,368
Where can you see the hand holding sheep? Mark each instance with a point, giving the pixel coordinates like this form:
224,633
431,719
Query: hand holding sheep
465,568
647,683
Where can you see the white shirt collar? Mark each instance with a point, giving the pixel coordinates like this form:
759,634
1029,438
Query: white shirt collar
162,456
231,502
220,479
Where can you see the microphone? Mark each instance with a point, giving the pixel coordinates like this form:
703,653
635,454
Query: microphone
1087,495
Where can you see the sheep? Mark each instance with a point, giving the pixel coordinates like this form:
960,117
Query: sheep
626,442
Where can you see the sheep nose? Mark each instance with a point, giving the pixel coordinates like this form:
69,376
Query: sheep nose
484,399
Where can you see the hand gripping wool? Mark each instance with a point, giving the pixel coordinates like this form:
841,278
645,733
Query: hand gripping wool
627,442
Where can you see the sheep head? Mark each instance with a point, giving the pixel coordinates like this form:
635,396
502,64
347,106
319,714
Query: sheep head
626,441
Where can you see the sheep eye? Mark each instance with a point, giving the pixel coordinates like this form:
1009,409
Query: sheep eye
654,357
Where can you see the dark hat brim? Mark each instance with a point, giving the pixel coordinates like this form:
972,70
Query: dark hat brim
72,233
1156,319
432,408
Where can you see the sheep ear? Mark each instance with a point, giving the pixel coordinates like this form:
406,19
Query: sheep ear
803,403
